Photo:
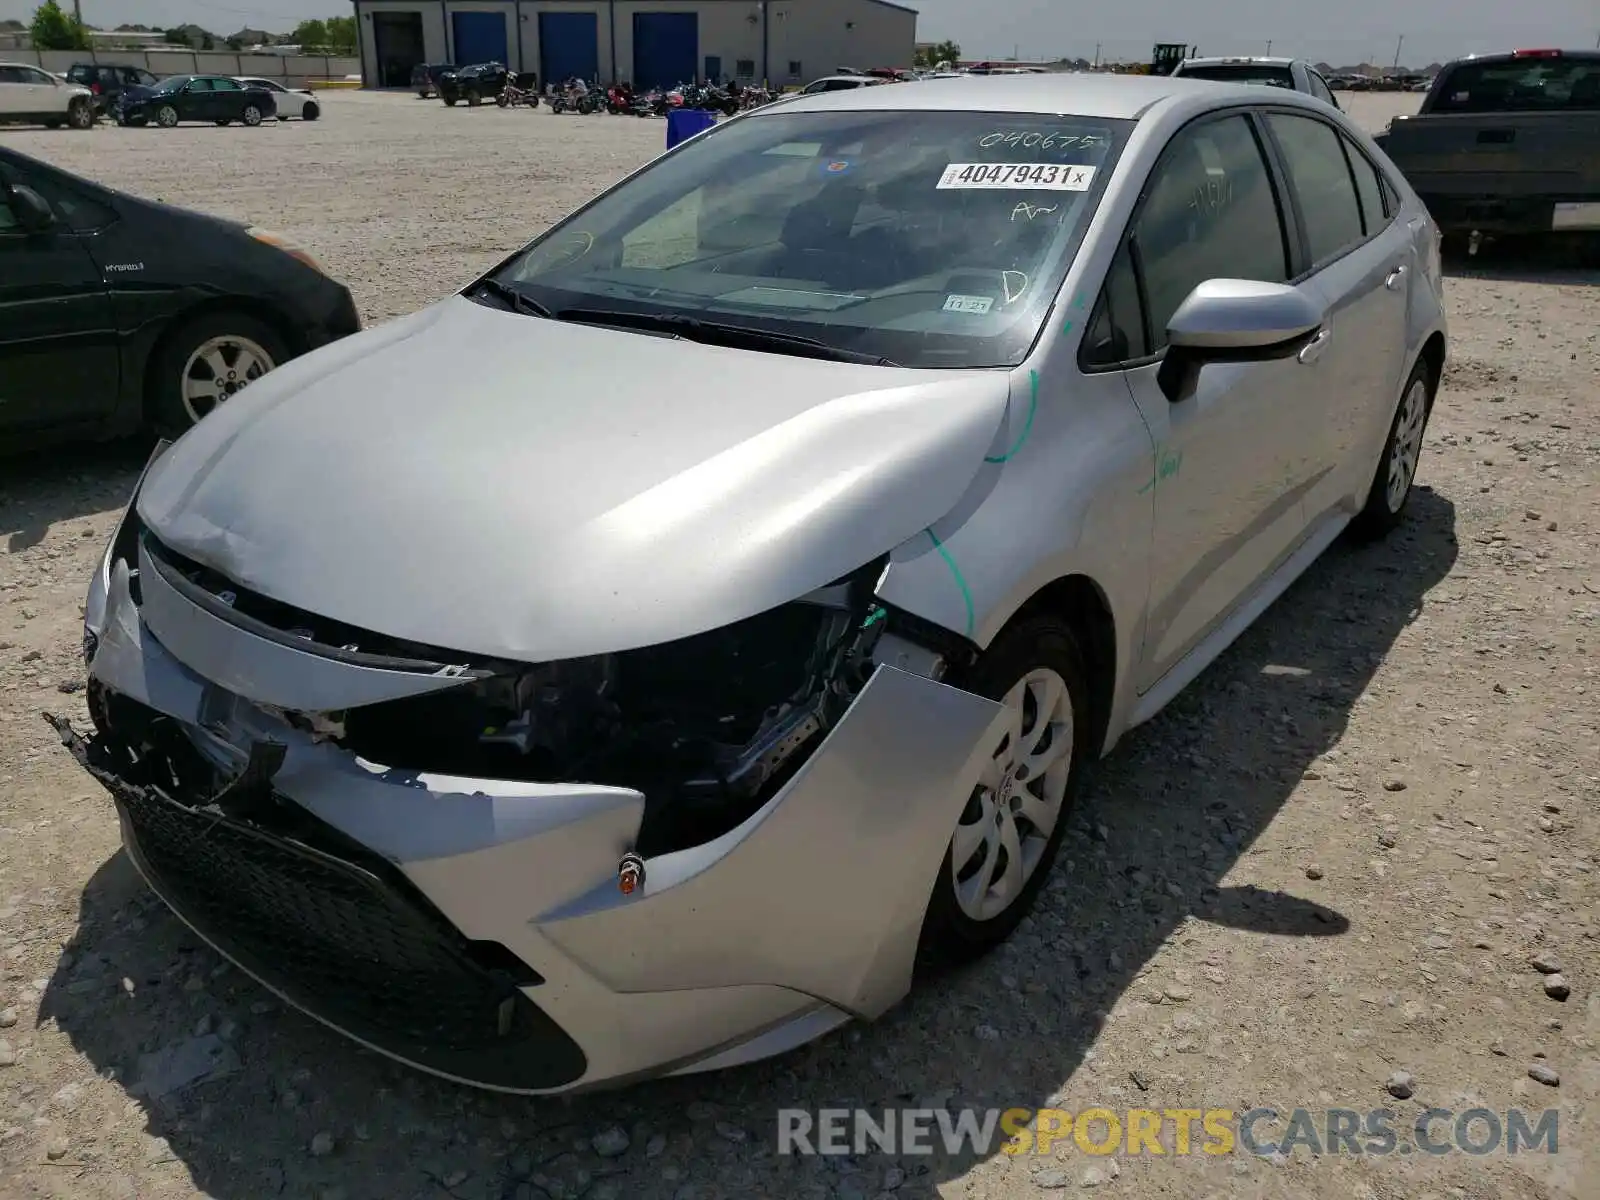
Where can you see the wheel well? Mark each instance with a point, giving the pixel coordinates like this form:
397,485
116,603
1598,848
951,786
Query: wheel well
264,313
1433,355
1079,600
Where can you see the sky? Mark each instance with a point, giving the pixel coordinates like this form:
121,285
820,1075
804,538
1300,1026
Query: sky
1345,32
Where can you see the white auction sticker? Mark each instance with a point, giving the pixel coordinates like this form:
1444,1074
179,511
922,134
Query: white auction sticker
1054,177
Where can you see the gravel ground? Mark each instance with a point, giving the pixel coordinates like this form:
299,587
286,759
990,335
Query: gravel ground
1324,871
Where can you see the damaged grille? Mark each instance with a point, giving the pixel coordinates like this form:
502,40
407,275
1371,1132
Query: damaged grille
334,936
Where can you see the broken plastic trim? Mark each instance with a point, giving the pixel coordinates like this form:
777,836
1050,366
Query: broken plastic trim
183,577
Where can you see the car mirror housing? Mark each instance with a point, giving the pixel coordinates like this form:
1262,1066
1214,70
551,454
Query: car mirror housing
33,211
1235,320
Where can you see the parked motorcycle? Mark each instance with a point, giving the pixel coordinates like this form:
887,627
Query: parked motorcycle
513,96
582,103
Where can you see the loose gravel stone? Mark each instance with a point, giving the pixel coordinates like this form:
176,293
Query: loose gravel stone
1546,963
1556,987
322,1144
1545,1074
8,1017
609,1143
1401,1085
1313,872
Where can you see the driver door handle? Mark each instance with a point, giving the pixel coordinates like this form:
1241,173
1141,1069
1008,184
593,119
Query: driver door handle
1314,348
1396,277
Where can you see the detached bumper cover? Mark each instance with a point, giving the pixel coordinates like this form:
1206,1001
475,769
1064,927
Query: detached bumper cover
342,940
473,927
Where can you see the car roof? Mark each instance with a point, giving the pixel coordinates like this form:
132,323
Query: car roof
859,80
1257,60
1107,96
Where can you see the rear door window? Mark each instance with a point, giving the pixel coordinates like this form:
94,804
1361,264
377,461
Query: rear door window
1374,212
1322,182
1522,85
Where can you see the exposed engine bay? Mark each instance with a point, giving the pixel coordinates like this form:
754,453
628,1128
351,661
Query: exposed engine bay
707,728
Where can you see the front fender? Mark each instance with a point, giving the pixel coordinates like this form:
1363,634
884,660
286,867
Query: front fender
823,890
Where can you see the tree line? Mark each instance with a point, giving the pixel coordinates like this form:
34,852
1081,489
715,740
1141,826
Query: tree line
53,28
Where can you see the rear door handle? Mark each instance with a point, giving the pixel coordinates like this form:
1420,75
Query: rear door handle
1395,278
1314,348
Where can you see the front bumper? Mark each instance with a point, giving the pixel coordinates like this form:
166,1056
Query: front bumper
474,928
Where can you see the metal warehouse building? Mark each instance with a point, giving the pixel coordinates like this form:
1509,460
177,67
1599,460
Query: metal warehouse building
647,43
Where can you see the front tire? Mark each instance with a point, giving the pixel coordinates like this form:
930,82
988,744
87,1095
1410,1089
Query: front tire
1007,837
251,115
205,363
167,117
310,113
1397,466
80,115
473,99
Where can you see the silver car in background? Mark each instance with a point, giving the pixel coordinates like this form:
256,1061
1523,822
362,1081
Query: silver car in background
1295,74
645,660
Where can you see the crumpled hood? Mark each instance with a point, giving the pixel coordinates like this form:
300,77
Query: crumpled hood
494,483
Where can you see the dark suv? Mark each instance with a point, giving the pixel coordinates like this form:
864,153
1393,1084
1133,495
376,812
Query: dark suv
474,84
107,80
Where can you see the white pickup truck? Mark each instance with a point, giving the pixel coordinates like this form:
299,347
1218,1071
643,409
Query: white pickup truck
36,97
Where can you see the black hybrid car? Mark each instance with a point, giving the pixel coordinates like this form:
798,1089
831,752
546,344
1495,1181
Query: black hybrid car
196,98
122,313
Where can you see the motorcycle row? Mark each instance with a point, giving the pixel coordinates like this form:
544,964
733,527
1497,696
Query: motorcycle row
622,100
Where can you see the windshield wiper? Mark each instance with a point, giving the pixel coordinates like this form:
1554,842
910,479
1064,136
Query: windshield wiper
517,300
722,333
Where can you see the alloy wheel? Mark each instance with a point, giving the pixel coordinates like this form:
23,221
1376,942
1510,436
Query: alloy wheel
218,369
166,116
252,115
1407,444
1006,825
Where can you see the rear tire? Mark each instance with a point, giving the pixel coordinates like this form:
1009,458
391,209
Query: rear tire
251,115
473,99
1402,449
1037,668
450,101
168,403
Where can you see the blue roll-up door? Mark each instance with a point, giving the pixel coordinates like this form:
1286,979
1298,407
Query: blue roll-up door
480,37
569,46
666,48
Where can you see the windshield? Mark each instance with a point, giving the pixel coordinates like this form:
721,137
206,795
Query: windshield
1265,73
932,239
1522,85
168,86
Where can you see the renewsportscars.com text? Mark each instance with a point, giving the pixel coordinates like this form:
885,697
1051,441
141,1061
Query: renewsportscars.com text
1262,1132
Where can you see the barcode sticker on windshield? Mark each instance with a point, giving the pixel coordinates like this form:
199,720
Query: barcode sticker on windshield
1054,177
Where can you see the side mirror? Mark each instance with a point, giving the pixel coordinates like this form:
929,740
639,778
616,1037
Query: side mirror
33,211
1234,320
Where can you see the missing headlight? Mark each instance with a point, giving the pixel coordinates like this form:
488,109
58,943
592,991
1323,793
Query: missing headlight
706,727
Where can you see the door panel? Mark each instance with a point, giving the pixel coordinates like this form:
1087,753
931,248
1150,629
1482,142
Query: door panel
197,102
1231,466
1362,264
58,339
13,91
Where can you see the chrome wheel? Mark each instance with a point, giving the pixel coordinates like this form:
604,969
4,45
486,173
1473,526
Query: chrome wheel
218,369
1011,814
1406,447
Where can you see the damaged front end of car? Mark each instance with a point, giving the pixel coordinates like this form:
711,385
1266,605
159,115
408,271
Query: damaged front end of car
535,876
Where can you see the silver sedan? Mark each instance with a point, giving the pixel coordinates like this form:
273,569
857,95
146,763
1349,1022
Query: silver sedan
649,658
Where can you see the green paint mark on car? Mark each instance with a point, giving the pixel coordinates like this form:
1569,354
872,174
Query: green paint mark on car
1167,466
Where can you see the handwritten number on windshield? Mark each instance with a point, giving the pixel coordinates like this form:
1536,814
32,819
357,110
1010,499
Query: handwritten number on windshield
1034,140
